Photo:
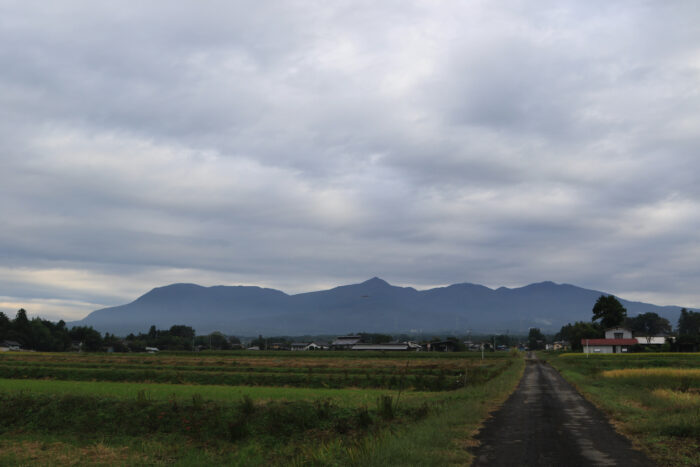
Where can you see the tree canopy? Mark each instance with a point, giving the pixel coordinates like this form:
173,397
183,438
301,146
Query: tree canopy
609,311
535,339
573,333
35,333
689,323
648,324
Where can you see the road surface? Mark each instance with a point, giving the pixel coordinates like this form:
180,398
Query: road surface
546,422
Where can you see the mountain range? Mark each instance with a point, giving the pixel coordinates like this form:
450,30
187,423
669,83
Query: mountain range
371,306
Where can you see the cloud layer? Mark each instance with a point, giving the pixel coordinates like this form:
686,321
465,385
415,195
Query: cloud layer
301,145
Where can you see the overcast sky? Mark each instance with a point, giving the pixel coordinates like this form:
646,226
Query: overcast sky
301,145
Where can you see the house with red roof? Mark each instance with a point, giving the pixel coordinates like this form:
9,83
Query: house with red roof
617,340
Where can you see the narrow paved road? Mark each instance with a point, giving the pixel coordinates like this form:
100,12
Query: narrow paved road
547,422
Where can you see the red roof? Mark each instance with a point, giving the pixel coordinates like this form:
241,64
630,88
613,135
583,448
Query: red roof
609,341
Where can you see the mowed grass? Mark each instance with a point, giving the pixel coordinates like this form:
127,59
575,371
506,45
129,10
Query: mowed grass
654,399
53,421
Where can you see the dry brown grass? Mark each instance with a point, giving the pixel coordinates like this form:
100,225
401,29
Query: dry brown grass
663,372
38,453
680,398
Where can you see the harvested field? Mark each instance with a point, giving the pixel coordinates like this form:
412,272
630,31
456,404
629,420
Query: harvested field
237,408
339,371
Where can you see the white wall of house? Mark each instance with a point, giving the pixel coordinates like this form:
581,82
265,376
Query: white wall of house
598,349
660,340
618,333
605,349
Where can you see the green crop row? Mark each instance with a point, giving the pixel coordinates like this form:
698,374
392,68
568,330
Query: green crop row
198,419
393,370
417,382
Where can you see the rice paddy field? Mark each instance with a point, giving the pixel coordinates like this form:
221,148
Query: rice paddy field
652,398
244,408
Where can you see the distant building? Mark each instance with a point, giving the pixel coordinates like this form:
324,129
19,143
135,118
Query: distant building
345,342
558,345
7,346
617,340
389,346
278,346
471,346
442,346
306,346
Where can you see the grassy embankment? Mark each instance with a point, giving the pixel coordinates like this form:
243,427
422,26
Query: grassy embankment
652,398
62,418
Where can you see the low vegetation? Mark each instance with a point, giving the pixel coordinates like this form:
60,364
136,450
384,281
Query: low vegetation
652,398
236,409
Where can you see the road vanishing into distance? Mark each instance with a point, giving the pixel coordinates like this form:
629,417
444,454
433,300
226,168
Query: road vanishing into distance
546,422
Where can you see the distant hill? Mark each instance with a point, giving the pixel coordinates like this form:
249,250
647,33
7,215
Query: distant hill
371,306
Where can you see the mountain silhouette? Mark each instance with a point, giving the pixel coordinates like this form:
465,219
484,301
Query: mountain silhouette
371,306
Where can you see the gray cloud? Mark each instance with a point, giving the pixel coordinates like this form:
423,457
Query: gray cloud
305,144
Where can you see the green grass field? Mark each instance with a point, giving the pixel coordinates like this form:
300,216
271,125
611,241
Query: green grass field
652,398
356,409
154,391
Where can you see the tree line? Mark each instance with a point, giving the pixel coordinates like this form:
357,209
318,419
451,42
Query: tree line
47,336
44,335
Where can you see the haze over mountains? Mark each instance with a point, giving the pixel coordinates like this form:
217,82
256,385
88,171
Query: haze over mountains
371,306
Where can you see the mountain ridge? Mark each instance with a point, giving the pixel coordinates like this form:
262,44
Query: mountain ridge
372,306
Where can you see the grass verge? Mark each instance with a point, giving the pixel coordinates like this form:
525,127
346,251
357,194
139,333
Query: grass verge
446,437
653,400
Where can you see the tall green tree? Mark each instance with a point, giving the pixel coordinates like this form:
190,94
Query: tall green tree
689,323
573,333
90,339
535,339
4,325
609,311
180,330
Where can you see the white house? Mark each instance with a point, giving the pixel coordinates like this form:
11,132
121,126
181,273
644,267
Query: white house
306,346
10,345
617,340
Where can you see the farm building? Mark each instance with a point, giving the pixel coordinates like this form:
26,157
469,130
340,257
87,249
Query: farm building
345,342
388,346
617,340
306,346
